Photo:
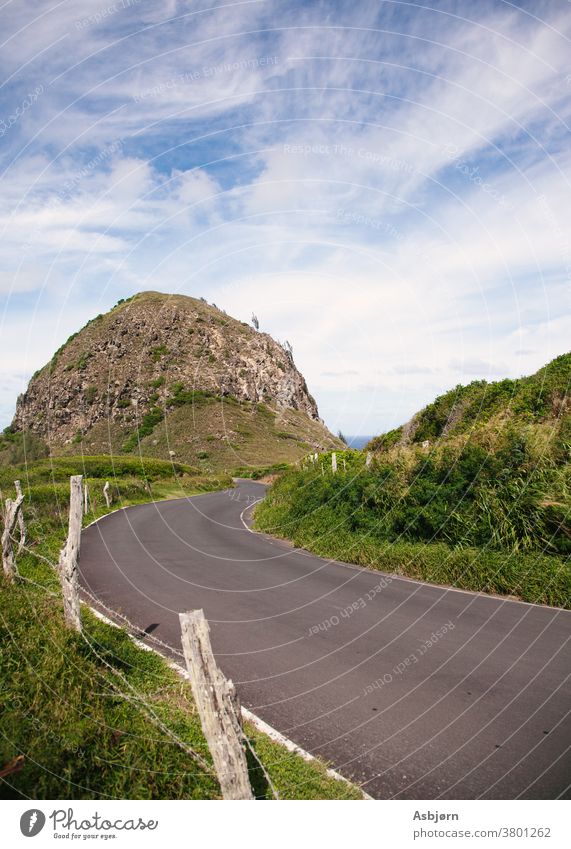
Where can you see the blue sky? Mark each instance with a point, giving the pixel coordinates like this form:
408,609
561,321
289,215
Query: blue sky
386,184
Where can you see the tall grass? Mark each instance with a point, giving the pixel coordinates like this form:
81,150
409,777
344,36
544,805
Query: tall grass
491,520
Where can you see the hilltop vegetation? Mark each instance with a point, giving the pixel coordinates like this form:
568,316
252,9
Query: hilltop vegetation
484,505
481,406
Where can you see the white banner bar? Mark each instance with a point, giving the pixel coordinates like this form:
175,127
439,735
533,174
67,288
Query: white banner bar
391,824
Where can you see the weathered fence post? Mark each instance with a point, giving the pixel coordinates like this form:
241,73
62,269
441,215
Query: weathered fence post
334,462
369,459
69,556
218,707
21,524
106,494
11,511
85,500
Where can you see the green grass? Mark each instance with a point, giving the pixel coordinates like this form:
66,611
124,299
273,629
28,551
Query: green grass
97,716
330,533
180,396
20,447
148,423
83,714
262,472
234,434
489,515
158,353
59,469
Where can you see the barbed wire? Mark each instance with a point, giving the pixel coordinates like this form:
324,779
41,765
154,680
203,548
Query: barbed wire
136,629
139,700
112,613
256,757
169,648
31,551
134,697
20,577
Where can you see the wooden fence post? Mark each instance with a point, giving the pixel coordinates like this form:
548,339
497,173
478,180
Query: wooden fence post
334,462
10,518
21,523
106,494
85,500
369,459
218,707
69,556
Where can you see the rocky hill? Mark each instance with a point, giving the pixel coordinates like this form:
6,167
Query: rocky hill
172,376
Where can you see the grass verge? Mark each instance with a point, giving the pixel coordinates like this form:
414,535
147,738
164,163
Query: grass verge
299,508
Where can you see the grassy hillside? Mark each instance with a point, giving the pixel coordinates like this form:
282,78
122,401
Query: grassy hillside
484,505
18,448
210,432
94,716
487,407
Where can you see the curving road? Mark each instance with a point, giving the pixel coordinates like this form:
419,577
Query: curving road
411,690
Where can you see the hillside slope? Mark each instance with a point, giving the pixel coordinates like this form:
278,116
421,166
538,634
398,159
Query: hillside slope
173,377
475,492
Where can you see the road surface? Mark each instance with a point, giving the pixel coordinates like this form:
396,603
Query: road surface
411,690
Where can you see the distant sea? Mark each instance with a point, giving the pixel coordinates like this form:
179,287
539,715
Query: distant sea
358,441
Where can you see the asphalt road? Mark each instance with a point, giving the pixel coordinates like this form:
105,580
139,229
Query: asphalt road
413,691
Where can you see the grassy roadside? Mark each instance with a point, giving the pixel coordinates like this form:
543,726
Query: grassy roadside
330,517
95,716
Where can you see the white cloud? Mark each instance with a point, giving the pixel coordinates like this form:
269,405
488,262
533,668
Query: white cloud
309,162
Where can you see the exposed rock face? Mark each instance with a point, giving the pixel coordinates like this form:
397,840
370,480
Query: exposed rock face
147,351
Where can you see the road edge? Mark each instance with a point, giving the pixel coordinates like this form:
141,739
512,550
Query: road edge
306,552
255,720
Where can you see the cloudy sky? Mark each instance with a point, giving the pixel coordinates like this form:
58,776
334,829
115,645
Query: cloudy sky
385,184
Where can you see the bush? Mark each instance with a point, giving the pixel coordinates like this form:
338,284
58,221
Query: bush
90,394
158,352
180,396
148,423
19,447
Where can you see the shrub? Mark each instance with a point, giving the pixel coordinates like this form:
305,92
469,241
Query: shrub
17,447
148,423
158,352
84,358
90,394
180,396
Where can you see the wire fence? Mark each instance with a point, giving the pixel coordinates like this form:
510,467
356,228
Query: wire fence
130,693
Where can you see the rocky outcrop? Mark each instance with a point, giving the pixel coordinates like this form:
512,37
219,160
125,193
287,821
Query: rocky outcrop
147,354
